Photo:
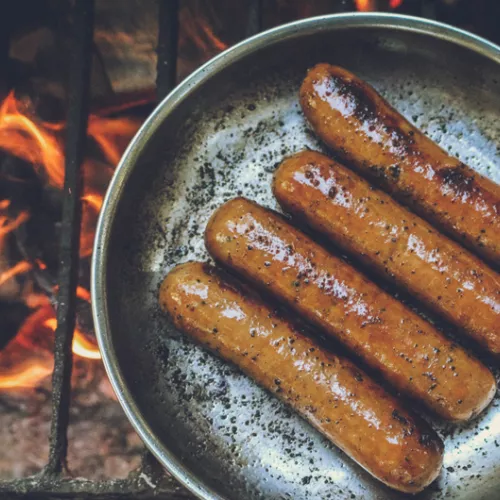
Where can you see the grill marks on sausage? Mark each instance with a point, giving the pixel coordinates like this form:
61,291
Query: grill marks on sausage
363,108
457,180
373,138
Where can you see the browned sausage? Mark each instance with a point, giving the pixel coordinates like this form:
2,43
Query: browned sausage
406,350
370,224
367,133
342,402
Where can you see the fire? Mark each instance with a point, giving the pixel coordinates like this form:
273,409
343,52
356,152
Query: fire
7,225
83,293
81,345
371,5
20,268
199,32
27,359
91,207
85,348
197,39
24,375
112,135
366,5
22,137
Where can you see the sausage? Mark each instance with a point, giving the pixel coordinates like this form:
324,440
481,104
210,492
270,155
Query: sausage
339,400
368,223
371,136
407,351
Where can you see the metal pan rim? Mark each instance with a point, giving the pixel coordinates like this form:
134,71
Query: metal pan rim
183,91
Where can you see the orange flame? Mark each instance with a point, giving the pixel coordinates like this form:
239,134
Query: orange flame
83,293
8,225
40,145
94,200
200,33
365,5
212,39
27,359
91,207
197,37
20,268
371,5
81,345
24,375
85,348
112,135
22,137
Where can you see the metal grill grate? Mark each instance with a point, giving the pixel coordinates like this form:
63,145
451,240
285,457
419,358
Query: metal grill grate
79,83
150,480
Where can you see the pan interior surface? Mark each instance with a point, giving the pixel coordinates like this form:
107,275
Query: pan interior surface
224,137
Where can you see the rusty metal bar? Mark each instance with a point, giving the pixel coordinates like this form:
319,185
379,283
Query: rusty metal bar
76,137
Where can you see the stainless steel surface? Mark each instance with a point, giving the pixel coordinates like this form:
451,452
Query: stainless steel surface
221,133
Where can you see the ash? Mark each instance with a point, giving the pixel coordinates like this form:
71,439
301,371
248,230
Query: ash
102,443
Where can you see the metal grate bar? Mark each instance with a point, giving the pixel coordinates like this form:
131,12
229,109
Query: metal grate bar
255,21
344,6
78,102
168,34
138,487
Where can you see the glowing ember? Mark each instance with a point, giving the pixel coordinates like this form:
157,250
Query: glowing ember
83,293
40,264
394,4
27,359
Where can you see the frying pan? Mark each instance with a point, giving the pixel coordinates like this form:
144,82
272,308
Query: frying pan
220,133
